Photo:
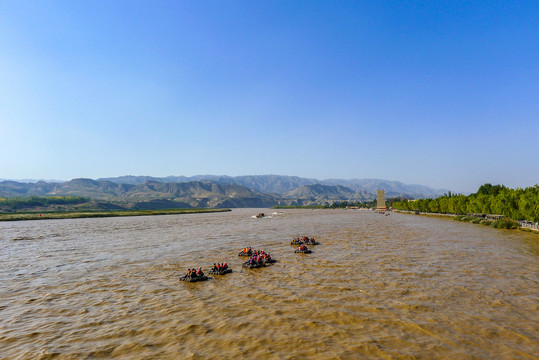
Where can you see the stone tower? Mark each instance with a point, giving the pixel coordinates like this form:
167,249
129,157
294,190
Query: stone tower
380,199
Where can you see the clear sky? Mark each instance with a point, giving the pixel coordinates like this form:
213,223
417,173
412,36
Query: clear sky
439,93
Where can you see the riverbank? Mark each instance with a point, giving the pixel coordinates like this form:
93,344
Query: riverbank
503,223
423,213
298,207
94,214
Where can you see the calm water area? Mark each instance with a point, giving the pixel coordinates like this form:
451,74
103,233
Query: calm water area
378,287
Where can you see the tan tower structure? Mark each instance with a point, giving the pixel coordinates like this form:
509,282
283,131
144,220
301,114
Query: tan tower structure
380,200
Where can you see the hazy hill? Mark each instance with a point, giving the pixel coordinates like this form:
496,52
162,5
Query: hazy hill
148,195
15,188
392,188
281,184
137,180
327,193
276,184
144,192
91,188
202,194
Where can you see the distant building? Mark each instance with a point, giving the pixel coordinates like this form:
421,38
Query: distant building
381,200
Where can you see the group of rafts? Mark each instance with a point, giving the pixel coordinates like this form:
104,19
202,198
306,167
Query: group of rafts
257,258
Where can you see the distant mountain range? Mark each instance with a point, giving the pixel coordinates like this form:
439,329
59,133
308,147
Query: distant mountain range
145,192
323,193
281,184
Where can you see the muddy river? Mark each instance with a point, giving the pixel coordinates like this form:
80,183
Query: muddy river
387,287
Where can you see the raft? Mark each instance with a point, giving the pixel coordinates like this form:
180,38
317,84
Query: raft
296,242
306,251
250,253
314,242
194,279
253,266
221,272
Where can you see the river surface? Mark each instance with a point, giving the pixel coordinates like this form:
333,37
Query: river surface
378,287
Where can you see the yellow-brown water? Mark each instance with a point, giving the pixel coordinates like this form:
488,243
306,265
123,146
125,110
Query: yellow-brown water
399,286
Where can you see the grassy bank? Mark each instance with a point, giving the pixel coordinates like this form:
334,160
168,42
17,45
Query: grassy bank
92,214
504,223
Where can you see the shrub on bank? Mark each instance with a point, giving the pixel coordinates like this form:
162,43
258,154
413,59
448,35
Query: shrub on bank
505,223
466,218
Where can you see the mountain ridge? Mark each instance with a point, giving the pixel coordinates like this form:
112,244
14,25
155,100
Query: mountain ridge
327,192
149,195
282,184
215,191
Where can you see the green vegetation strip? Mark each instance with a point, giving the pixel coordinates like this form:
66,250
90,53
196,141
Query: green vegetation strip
516,204
504,223
92,214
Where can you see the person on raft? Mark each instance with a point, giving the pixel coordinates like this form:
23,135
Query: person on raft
192,273
220,267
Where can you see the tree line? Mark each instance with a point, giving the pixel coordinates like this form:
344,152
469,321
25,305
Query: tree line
517,204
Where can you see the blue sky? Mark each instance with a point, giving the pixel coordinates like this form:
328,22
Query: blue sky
440,93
